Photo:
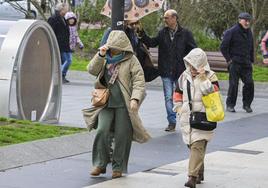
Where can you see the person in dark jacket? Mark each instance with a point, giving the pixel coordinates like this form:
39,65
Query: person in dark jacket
237,48
61,30
174,42
140,50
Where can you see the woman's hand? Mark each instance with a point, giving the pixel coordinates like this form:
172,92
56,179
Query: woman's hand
134,106
103,50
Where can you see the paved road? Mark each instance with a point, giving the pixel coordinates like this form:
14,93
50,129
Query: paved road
164,148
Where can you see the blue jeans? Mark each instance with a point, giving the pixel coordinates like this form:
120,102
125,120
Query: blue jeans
66,61
169,85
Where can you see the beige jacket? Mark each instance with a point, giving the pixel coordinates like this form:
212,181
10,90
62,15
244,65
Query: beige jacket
130,79
200,85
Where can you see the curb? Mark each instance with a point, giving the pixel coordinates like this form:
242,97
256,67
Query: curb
18,155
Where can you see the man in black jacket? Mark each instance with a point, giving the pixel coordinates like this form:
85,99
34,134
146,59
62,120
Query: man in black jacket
174,42
61,30
237,48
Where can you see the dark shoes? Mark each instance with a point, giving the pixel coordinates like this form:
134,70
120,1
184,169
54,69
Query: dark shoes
97,171
64,80
191,182
116,174
170,128
248,109
199,178
230,109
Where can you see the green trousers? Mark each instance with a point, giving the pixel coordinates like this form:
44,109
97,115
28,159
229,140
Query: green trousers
197,155
113,122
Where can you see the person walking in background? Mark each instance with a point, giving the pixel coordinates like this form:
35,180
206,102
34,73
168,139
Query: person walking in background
202,82
120,115
131,29
140,50
264,46
174,42
61,30
71,19
237,48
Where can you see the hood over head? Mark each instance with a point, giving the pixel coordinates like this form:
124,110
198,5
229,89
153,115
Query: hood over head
197,58
118,40
69,15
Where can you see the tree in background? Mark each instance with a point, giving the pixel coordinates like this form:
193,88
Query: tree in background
224,14
90,12
214,17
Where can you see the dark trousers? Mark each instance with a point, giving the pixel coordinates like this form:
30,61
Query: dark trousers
243,72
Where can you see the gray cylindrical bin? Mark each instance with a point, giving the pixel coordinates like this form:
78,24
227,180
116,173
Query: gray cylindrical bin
30,76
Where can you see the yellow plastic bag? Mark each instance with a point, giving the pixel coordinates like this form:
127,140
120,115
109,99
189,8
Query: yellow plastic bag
214,107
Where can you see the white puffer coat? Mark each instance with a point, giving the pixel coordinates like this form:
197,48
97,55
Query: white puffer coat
200,85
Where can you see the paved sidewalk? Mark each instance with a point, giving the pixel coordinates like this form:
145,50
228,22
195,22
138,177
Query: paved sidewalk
152,113
72,152
243,166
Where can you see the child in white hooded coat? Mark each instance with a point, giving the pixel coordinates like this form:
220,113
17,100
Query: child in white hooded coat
202,82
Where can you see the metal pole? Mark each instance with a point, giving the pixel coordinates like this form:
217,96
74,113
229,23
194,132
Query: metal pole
117,14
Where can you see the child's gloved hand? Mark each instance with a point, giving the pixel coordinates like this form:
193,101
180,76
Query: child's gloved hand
81,46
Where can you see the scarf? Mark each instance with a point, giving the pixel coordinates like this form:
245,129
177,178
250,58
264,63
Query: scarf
112,61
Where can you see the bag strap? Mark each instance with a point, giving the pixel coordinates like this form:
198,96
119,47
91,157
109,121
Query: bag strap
114,76
189,95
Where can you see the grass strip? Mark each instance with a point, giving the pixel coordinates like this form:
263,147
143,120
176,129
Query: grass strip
17,131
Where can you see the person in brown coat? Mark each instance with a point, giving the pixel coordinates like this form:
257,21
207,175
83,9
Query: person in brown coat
120,116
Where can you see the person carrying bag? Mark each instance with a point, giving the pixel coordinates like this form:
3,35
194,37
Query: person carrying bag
194,83
118,118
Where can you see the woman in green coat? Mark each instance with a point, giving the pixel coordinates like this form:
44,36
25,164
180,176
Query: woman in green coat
120,115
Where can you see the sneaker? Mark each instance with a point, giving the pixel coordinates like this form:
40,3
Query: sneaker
65,81
230,109
170,128
248,109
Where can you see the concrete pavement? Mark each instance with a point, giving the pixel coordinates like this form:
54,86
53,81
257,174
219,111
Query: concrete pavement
243,166
66,156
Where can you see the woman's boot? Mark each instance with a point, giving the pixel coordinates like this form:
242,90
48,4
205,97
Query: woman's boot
97,171
200,176
191,182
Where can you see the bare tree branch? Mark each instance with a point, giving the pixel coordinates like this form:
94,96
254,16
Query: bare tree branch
232,2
